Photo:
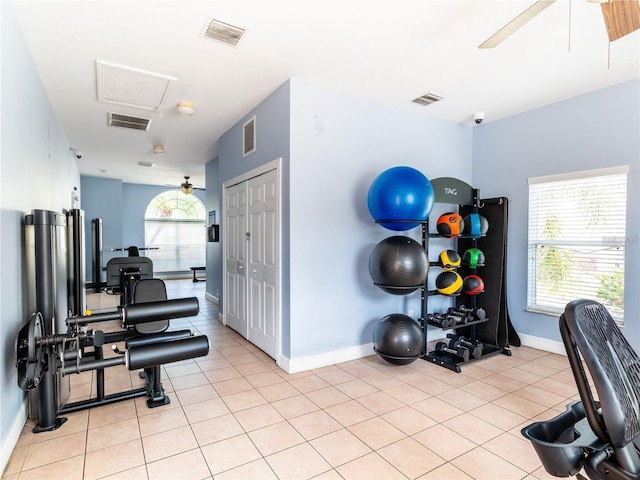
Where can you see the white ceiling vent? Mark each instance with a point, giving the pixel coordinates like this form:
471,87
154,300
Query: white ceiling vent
127,121
222,31
131,87
427,99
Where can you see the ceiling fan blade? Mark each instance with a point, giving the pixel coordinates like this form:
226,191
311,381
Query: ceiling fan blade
516,23
621,17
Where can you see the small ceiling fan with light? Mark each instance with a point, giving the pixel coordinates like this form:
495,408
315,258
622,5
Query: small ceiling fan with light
621,17
187,187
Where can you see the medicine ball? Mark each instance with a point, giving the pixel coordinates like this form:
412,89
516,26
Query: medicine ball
449,259
472,285
450,224
402,195
474,257
449,283
398,339
398,265
475,225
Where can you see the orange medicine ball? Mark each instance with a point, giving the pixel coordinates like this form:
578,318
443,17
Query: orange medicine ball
450,224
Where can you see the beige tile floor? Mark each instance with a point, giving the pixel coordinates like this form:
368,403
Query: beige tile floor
235,415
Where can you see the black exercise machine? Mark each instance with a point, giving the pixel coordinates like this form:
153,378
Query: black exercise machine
124,272
599,432
58,339
148,345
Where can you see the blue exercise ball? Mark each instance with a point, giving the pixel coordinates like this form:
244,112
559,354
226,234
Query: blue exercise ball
398,339
398,265
402,195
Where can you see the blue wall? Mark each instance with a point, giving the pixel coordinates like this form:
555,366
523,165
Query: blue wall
121,206
272,141
339,144
597,130
37,171
333,145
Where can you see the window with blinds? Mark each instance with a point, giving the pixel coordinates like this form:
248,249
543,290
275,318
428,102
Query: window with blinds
577,240
174,224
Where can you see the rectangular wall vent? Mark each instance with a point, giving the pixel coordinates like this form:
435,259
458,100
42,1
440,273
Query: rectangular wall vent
249,137
217,30
127,121
427,99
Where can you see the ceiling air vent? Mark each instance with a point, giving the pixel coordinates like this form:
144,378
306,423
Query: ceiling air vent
427,99
127,121
223,32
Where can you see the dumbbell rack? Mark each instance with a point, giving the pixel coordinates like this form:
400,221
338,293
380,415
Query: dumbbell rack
451,361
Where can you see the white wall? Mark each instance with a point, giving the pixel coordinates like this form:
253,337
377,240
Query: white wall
37,171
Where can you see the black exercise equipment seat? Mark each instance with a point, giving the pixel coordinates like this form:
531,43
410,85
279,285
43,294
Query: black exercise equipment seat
595,434
150,290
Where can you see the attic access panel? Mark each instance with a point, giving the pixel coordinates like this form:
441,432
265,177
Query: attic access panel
132,87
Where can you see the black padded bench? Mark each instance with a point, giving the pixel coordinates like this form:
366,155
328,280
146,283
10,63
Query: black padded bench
197,269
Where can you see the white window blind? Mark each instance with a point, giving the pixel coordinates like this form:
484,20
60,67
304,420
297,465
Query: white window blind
174,224
576,240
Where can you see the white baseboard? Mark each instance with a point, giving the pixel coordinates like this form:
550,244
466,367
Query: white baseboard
551,346
212,298
295,365
10,441
355,352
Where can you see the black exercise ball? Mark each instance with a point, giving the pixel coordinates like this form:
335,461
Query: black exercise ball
398,339
398,265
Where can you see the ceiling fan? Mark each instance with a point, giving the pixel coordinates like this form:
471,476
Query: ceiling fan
187,187
621,17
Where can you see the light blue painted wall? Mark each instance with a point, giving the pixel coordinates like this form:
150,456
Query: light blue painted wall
597,130
33,153
272,141
339,144
121,206
101,198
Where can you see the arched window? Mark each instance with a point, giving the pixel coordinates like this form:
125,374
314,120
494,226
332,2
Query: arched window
174,223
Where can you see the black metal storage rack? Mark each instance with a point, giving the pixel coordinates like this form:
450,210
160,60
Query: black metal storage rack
452,191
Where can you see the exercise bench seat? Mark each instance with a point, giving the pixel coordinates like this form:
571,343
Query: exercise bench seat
197,269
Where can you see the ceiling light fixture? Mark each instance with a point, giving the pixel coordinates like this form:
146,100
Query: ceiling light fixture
158,149
146,164
186,190
186,108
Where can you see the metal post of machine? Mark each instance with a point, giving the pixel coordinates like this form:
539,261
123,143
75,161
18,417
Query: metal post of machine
76,262
96,247
45,237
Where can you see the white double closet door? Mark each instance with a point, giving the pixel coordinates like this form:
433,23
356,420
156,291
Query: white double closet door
251,246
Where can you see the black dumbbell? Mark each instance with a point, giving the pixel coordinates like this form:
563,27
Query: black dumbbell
461,352
475,313
460,317
475,348
440,319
